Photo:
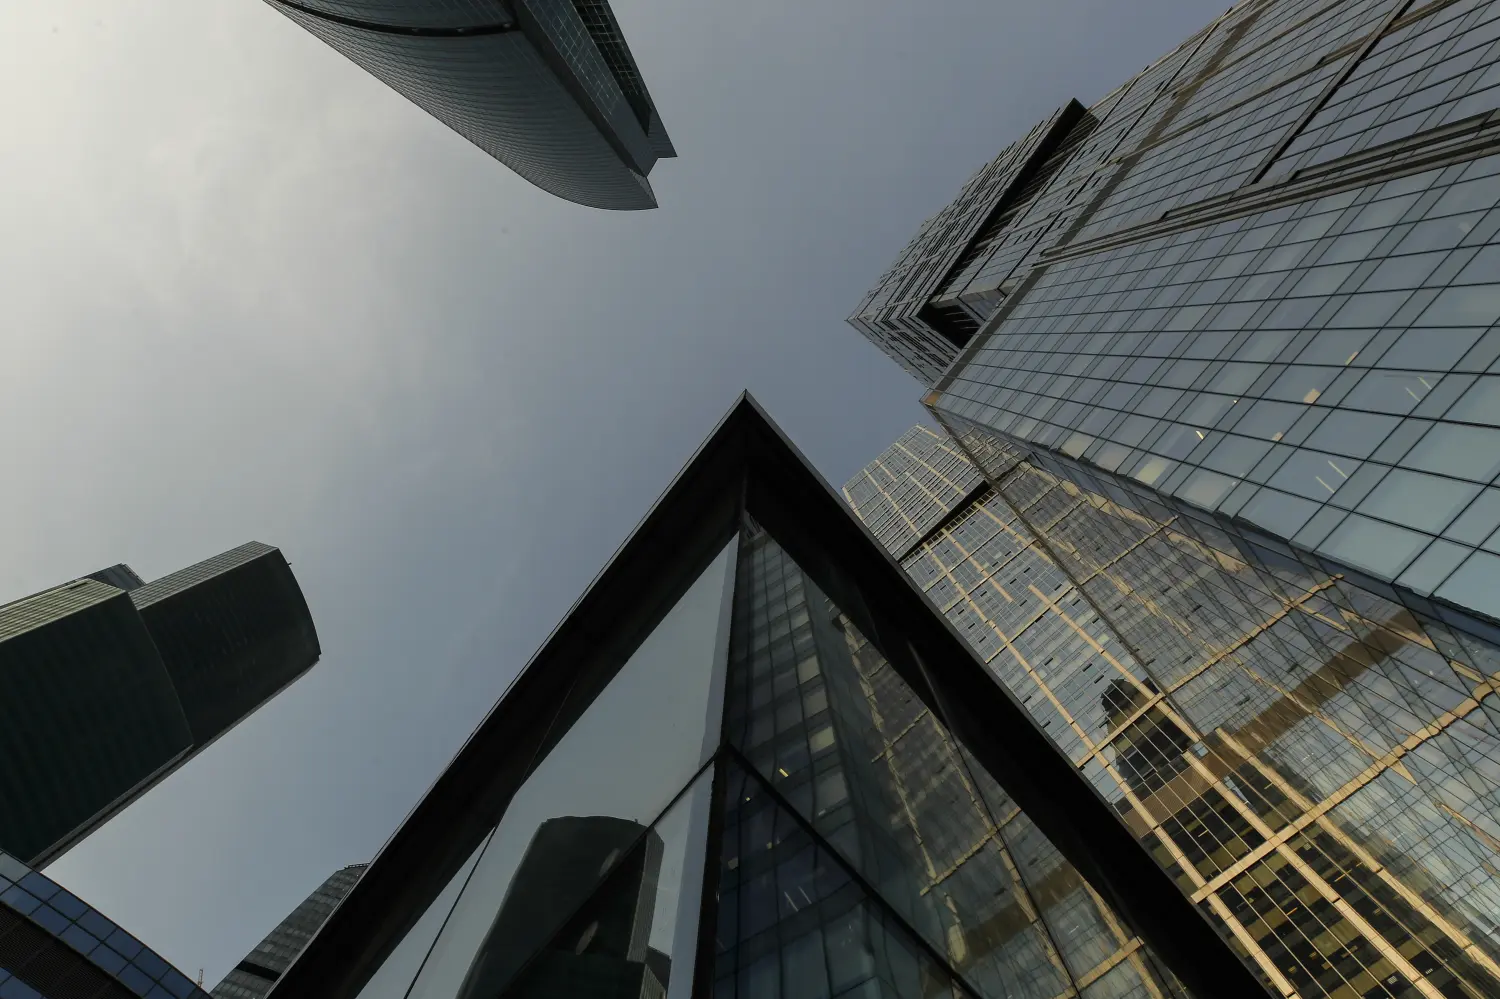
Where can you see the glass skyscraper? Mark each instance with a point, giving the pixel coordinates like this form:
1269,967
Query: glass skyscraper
754,763
1315,766
547,87
109,683
253,977
1214,499
1259,279
53,945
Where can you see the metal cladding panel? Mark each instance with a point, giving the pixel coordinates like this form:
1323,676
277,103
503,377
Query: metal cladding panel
233,631
120,576
87,713
415,13
22,615
499,92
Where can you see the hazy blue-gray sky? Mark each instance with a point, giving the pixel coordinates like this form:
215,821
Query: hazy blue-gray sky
251,293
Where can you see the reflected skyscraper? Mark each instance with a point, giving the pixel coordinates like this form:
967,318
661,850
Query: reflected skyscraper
109,683
547,87
596,878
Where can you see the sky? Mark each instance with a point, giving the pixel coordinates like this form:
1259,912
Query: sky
251,293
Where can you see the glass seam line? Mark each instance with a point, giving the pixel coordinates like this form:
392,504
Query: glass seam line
1358,56
416,31
732,754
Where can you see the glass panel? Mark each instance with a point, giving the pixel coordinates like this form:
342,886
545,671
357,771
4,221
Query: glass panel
668,681
792,924
632,933
395,976
879,776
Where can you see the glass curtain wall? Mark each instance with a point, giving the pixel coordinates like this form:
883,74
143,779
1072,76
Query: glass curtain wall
1317,766
757,806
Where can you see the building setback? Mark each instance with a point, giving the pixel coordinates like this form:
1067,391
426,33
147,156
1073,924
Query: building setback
108,684
53,945
547,87
1317,766
1262,283
253,977
754,762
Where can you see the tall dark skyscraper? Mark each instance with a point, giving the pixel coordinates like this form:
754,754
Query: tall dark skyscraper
754,763
253,977
547,87
108,683
53,945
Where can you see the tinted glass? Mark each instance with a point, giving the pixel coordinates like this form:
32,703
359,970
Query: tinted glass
587,799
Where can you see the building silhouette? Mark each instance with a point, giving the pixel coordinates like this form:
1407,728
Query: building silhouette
109,683
547,87
253,977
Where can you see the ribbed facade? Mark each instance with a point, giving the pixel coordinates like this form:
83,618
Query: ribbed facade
547,87
253,977
105,690
232,631
88,713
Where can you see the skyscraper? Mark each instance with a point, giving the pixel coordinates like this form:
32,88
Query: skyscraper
1317,765
253,977
53,945
108,683
1259,279
754,748
547,87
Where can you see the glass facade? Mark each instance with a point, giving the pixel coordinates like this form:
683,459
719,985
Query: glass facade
1263,281
860,840
754,802
1315,765
914,313
55,946
1225,520
107,684
253,977
547,87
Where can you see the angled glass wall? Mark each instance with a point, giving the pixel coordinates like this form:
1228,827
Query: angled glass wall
753,763
847,844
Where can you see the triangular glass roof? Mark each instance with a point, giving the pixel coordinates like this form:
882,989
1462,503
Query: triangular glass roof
754,762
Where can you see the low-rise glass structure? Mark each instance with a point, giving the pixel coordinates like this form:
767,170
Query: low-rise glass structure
53,945
754,762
